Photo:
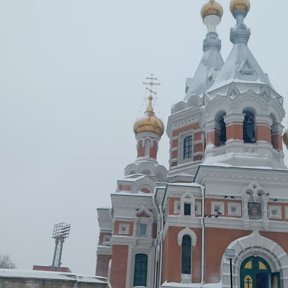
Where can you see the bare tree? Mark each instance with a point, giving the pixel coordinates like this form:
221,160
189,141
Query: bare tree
6,262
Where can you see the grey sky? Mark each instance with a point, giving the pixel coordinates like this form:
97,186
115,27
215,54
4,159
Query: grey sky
71,75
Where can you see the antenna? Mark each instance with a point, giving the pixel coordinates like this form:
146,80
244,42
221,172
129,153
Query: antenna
60,233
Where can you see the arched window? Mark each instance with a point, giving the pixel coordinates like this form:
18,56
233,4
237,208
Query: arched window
140,270
220,130
249,127
274,134
222,136
187,147
186,254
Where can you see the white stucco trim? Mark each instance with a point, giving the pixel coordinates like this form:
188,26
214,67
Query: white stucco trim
188,232
255,244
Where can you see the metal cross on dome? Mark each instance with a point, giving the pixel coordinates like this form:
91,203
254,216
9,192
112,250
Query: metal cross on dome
150,84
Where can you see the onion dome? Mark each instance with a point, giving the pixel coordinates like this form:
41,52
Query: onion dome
240,6
149,123
285,138
212,8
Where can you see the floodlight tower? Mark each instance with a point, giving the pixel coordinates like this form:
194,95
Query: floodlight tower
60,233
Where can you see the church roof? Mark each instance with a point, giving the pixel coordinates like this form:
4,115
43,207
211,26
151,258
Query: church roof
240,66
206,72
211,61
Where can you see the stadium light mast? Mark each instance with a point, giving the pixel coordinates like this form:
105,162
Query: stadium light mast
60,233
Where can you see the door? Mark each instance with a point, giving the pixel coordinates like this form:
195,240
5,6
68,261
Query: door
255,273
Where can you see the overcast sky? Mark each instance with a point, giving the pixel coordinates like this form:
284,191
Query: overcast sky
71,74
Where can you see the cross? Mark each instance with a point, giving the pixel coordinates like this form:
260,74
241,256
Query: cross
248,282
150,82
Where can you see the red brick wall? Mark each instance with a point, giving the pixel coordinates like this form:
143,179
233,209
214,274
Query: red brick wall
119,266
263,133
172,253
217,241
234,131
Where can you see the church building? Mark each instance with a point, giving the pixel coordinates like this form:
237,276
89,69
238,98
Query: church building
218,217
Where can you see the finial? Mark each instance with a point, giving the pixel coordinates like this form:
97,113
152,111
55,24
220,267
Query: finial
239,7
240,33
211,13
149,123
149,105
150,83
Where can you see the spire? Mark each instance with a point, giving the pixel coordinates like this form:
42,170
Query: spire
240,66
211,61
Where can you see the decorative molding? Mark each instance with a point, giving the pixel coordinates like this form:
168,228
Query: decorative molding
188,232
255,244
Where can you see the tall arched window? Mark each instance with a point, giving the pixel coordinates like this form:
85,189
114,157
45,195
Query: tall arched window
186,254
220,138
140,270
249,127
187,147
274,133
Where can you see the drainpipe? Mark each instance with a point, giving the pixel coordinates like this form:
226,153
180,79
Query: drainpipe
158,245
156,257
161,237
203,237
161,247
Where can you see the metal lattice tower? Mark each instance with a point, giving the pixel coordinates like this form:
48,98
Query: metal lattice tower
60,233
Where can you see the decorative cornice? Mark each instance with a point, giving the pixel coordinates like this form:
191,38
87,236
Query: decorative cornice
241,174
104,250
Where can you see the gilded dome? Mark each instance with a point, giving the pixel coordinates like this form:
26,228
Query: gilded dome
149,123
285,138
240,6
212,8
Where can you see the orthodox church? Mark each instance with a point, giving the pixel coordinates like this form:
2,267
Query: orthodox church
219,216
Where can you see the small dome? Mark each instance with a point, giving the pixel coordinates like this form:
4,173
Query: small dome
285,138
212,8
239,6
149,123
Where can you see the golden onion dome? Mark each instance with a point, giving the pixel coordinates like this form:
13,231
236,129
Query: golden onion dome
285,138
239,6
149,123
212,8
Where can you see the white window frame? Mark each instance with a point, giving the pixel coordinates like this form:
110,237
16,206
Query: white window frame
238,211
124,229
181,146
187,198
221,205
276,208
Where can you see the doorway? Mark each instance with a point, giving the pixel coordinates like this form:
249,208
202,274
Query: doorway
256,273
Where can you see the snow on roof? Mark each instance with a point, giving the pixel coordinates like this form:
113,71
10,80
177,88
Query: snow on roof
199,285
185,184
15,273
240,66
206,72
